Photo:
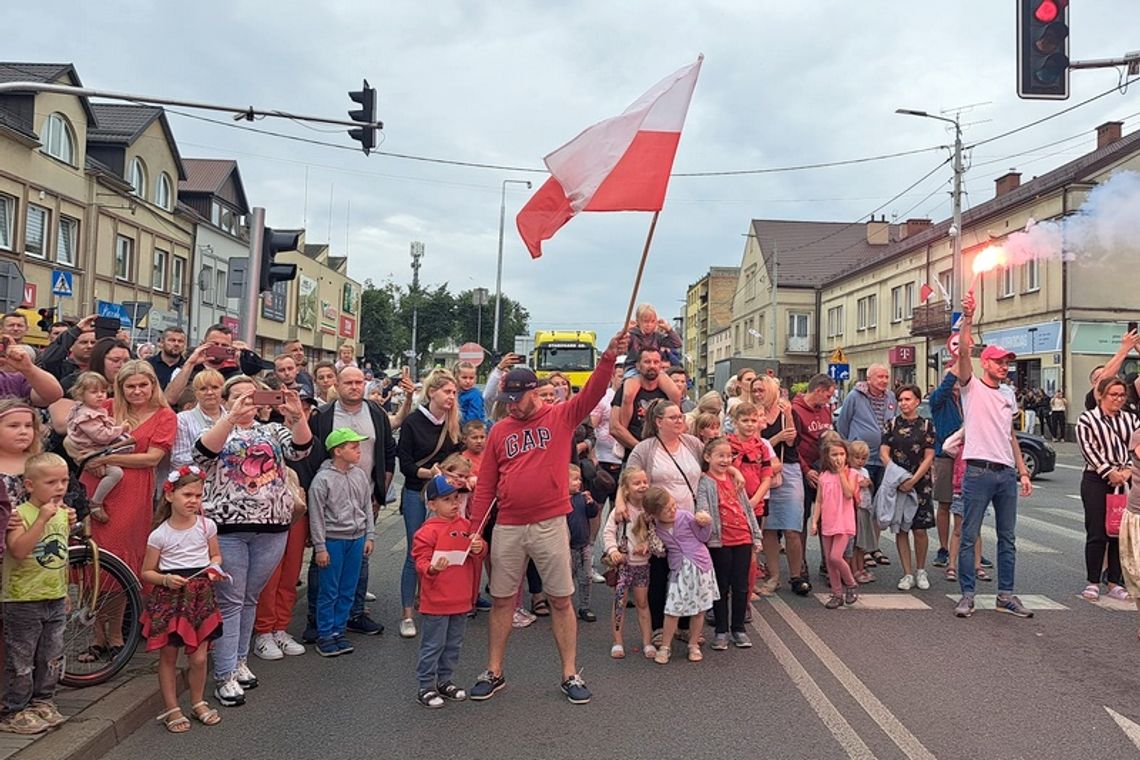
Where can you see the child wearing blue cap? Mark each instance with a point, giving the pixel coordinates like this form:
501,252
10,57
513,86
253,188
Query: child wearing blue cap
342,531
442,550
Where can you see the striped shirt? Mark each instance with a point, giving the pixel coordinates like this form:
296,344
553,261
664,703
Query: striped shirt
1104,439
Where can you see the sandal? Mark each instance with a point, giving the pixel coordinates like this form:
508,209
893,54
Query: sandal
540,608
98,514
951,574
617,651
649,651
1119,593
205,714
982,575
880,558
869,561
93,653
695,653
800,586
662,656
1091,592
768,587
174,720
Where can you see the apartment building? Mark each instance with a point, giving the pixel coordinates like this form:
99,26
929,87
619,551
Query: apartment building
708,310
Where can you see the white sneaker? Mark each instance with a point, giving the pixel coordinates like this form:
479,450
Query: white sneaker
921,580
598,577
407,628
287,644
229,692
907,583
369,596
265,646
245,677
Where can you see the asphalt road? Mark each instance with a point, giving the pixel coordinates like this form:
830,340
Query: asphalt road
896,676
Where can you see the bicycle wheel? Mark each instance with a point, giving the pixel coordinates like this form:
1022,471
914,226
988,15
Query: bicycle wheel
96,595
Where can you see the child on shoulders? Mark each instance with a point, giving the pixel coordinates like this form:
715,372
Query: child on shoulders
648,332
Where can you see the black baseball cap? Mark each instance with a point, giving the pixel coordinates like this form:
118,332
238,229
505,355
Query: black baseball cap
516,384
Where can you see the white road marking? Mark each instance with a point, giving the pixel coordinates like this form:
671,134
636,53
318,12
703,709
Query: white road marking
1023,544
1130,729
891,726
1074,496
400,546
1070,466
1030,601
898,601
1067,514
1048,527
1108,603
848,739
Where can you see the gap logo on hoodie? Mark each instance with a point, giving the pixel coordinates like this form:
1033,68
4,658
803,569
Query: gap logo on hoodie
526,440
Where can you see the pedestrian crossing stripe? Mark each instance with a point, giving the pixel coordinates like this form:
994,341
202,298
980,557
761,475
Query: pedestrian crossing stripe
883,602
1048,527
1066,514
1030,601
1023,544
1108,603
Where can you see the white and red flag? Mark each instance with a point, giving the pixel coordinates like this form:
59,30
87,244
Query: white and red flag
925,293
620,164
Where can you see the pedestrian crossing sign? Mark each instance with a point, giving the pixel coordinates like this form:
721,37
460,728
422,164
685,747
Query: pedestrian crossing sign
62,284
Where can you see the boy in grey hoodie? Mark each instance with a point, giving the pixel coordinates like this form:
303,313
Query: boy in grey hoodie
342,531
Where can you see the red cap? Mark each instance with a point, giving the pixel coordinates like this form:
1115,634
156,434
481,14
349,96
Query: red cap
995,353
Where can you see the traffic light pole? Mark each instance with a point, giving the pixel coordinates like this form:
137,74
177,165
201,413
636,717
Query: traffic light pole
252,298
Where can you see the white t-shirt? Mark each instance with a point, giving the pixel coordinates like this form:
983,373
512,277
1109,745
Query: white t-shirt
988,421
183,549
604,440
668,476
361,423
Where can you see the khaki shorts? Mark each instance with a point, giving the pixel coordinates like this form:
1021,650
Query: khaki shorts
943,473
546,542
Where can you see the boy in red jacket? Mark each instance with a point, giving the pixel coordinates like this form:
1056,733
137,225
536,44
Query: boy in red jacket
442,550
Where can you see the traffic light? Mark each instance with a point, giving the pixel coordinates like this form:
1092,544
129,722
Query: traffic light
934,361
47,317
365,135
1043,49
273,243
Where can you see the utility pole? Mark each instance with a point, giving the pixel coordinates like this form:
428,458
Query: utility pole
499,267
417,254
253,277
479,297
775,284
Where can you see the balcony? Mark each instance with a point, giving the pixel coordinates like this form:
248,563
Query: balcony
930,320
798,344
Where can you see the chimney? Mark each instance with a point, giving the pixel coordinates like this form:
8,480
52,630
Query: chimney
915,226
1011,180
1108,133
878,231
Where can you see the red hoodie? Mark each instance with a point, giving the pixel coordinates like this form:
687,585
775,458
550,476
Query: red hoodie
811,423
526,464
451,592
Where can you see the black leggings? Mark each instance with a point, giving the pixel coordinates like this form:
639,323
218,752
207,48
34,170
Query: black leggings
658,591
731,565
1057,425
1093,492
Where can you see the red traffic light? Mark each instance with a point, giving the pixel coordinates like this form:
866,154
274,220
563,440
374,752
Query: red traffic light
1046,12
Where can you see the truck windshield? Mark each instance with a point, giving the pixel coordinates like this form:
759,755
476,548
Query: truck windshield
565,358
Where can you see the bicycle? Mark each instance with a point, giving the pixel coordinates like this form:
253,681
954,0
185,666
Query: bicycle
98,583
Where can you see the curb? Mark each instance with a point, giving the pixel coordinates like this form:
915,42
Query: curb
98,729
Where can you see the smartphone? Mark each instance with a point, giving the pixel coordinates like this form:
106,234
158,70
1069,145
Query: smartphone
107,327
1131,327
219,353
268,398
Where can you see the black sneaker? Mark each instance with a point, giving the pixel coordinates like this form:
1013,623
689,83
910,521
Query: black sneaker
942,559
486,685
986,562
364,625
575,690
587,616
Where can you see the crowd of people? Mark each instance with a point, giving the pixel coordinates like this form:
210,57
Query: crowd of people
225,469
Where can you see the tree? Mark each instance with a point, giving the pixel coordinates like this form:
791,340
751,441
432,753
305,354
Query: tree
514,321
384,335
436,320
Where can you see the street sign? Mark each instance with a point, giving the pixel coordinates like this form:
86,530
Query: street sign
952,344
838,357
955,321
62,285
29,296
471,352
235,278
108,309
839,372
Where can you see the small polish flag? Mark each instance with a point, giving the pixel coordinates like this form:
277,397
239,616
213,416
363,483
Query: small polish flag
620,164
925,293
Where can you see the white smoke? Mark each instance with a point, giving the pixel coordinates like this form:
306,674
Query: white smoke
1108,222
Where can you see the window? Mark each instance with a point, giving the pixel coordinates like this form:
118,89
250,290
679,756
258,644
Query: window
138,178
66,236
750,283
835,321
35,235
163,193
748,333
220,297
861,314
7,215
908,293
1032,275
798,325
1005,282
206,281
58,141
868,312
177,273
896,304
158,281
124,254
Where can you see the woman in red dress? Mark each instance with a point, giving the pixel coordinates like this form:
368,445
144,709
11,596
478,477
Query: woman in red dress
139,401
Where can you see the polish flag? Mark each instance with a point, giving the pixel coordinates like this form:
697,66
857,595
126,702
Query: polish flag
925,293
620,164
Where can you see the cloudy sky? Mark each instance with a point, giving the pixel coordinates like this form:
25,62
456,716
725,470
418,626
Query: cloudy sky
506,82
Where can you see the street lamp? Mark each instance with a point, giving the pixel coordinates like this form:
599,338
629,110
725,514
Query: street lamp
499,268
956,225
479,299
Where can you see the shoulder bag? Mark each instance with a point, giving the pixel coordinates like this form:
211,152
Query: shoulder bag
676,464
438,446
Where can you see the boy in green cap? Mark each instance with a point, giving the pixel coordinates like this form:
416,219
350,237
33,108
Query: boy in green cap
342,532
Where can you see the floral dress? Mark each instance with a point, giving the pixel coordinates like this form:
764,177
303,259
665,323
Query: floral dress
908,441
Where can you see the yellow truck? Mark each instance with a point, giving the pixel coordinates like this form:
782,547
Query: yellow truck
574,353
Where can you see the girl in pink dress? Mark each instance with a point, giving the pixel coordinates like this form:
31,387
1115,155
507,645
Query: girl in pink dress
833,516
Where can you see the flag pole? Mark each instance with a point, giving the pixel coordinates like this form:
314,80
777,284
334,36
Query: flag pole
640,269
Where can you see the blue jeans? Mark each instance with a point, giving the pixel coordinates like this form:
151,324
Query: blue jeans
441,638
250,559
314,583
338,584
414,515
980,487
